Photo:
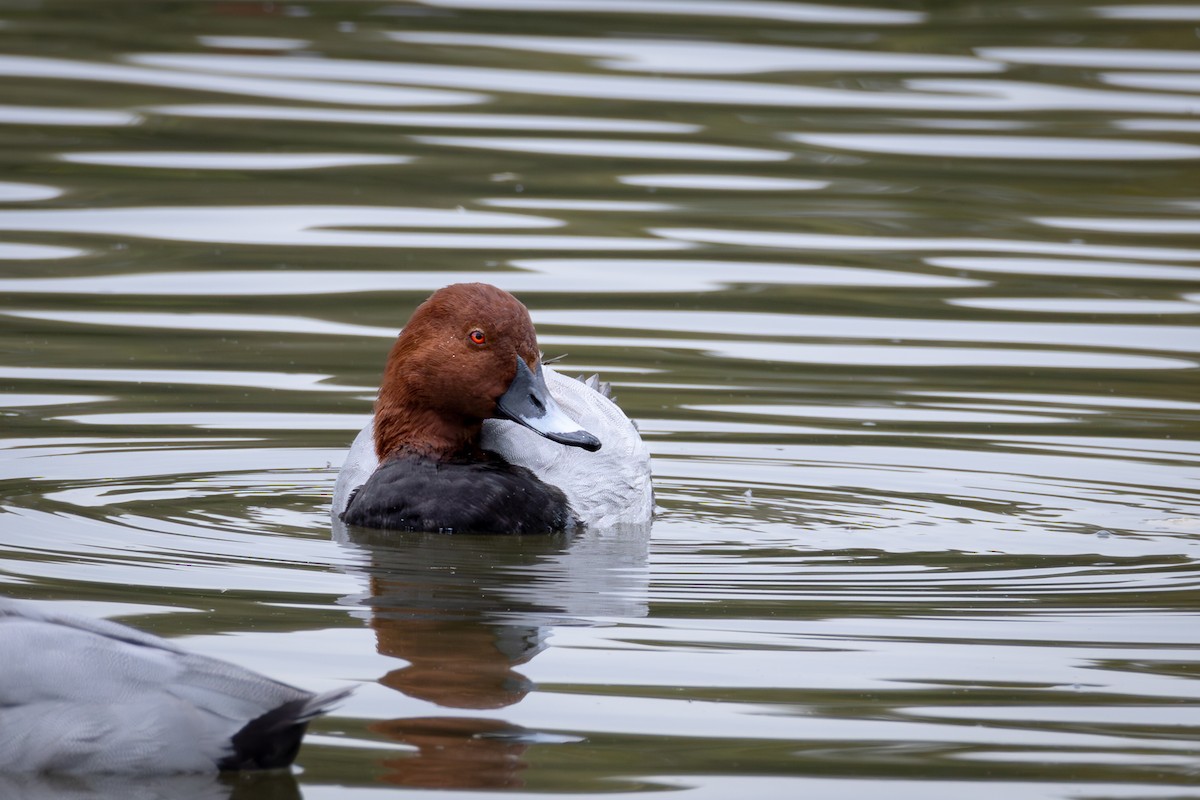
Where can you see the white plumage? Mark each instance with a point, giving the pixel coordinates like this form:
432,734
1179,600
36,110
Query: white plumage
88,696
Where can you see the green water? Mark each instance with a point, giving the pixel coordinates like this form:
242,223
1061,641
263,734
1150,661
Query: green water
904,300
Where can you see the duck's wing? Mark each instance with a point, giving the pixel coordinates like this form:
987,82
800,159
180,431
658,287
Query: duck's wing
52,656
361,462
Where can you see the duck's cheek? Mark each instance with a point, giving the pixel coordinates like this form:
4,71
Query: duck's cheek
483,404
489,393
482,407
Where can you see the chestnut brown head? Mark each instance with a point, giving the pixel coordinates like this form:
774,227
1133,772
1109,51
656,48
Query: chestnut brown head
468,353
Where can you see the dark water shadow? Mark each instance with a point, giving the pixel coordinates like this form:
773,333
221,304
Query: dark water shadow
465,612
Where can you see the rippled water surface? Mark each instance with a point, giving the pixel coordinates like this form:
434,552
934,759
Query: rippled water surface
904,299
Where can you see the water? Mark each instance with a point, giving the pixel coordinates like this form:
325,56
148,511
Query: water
903,297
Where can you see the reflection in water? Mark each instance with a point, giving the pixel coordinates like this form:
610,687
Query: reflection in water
748,9
1037,148
1167,227
711,58
36,252
231,161
1149,11
724,183
844,242
532,275
260,224
465,612
251,42
1098,57
919,94
273,381
70,117
1157,81
455,753
427,119
320,226
1043,305
274,785
1160,125
731,323
312,90
1075,268
26,192
612,148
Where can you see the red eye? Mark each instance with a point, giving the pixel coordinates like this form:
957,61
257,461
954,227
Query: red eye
477,337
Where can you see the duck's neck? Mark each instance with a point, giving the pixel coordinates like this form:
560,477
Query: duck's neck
403,426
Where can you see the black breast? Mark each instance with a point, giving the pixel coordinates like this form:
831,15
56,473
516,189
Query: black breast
458,496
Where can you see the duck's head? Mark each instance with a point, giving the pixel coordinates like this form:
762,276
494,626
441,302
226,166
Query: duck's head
467,354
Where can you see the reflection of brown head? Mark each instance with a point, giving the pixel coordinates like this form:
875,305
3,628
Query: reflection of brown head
454,753
453,360
454,663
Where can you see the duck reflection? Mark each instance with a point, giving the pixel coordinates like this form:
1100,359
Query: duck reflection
456,753
270,785
465,612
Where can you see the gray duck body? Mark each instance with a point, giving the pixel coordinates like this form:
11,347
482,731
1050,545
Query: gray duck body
90,696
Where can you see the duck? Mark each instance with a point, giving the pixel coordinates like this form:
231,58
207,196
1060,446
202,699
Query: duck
473,433
81,695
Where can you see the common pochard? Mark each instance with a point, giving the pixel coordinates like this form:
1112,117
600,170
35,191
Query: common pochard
473,434
80,695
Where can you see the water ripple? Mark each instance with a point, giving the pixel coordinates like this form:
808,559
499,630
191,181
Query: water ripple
10,251
926,94
1074,268
1096,57
230,161
748,9
66,117
316,226
842,242
310,90
724,183
1169,227
1150,11
673,56
1014,147
424,119
1149,337
252,42
565,275
1049,305
26,192
613,148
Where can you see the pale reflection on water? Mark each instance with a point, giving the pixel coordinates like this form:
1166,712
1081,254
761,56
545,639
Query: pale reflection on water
28,67
232,161
710,57
902,298
321,226
425,119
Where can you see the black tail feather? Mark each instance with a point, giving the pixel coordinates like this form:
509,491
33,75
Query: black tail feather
271,741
